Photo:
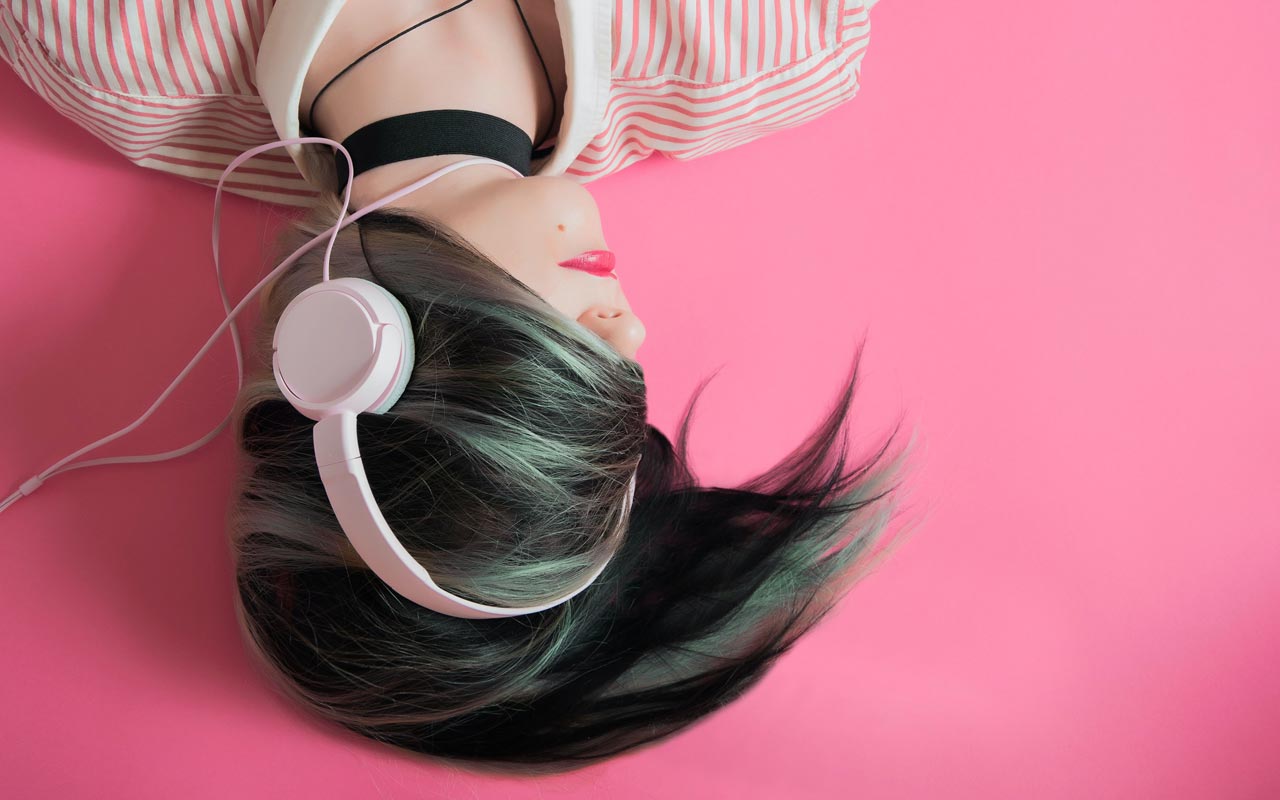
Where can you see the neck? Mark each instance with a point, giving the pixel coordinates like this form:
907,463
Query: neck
438,199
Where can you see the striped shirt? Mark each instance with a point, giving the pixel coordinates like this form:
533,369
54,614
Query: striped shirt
184,86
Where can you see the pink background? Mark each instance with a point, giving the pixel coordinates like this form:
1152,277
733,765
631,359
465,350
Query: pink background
1057,224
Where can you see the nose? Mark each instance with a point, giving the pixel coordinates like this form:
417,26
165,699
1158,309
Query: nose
619,327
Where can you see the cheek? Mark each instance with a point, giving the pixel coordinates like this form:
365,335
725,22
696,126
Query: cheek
562,298
512,233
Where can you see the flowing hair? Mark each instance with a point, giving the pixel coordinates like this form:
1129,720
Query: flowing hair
503,470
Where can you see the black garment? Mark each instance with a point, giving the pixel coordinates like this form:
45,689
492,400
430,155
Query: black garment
440,132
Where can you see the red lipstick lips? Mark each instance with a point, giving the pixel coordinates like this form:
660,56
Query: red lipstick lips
597,262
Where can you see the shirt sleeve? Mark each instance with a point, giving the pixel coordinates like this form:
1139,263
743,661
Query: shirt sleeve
697,78
803,92
165,91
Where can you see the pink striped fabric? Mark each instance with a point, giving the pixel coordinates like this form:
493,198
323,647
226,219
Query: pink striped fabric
691,77
169,83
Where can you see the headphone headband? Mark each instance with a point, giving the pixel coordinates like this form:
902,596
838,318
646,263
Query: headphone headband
342,470
345,347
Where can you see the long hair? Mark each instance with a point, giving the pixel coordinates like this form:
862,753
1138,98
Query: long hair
503,469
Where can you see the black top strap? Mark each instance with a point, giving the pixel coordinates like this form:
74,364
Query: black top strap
438,132
311,112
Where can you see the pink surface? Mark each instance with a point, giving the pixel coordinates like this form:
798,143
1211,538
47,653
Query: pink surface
1058,225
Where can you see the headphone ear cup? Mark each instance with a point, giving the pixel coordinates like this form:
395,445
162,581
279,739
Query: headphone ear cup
407,354
343,346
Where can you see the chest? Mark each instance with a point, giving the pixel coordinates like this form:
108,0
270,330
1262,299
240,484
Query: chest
385,57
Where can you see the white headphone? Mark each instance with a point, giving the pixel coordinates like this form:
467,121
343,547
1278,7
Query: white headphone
342,347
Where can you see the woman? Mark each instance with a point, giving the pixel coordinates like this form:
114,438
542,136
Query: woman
505,464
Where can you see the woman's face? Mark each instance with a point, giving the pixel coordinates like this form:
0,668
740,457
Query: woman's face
528,226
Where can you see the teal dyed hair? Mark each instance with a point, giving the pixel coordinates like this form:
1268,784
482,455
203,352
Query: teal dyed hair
504,469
